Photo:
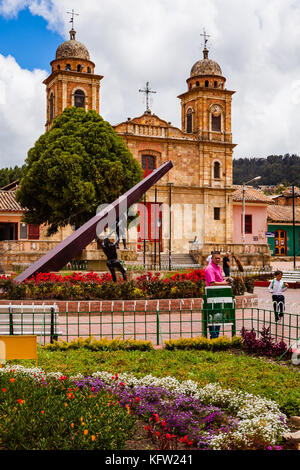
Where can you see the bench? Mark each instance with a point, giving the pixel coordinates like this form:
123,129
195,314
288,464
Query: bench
291,276
40,320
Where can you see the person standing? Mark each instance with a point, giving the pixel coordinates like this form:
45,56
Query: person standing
226,264
276,288
214,277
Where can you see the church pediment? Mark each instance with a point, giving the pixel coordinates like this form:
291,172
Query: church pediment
151,125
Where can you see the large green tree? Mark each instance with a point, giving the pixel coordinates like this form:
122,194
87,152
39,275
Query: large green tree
77,165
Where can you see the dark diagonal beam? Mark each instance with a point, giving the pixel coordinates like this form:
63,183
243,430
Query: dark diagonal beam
72,246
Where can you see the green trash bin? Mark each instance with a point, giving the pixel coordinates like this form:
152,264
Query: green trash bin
218,311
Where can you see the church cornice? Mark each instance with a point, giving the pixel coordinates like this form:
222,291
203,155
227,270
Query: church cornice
201,90
69,75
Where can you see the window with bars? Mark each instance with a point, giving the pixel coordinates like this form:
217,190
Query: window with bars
216,123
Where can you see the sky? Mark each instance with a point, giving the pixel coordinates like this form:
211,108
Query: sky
256,43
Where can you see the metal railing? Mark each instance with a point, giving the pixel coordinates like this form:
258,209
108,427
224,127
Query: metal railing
155,325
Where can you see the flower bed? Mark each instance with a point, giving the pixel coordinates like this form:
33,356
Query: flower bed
92,286
176,414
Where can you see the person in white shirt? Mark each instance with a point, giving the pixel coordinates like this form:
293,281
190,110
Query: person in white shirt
277,287
208,259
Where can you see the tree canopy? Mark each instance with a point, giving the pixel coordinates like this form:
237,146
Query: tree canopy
8,175
77,165
274,170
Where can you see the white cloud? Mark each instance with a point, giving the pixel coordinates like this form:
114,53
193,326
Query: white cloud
256,43
22,110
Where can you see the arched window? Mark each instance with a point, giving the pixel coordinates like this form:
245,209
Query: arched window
58,67
215,84
68,67
217,168
79,99
206,83
197,83
148,164
189,121
51,114
89,70
79,67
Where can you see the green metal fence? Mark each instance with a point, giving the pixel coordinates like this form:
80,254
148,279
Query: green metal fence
156,325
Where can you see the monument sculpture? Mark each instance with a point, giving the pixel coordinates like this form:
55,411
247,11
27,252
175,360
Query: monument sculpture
72,246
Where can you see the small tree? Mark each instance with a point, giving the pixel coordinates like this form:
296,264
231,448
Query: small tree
77,165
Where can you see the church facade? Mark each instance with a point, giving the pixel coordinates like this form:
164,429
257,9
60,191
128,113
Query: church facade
198,190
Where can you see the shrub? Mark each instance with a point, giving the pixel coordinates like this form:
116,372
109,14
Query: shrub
265,345
201,343
249,284
103,344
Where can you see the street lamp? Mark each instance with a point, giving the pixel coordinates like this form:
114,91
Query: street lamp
244,192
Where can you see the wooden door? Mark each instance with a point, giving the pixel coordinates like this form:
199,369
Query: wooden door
280,242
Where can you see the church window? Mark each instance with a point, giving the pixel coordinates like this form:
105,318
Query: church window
79,67
79,99
206,83
197,83
215,84
216,123
51,106
68,67
58,67
217,170
89,70
148,164
189,121
217,211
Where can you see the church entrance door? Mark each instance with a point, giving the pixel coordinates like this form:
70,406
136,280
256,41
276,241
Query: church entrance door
150,226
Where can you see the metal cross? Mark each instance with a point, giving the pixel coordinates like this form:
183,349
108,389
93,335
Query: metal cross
147,91
72,17
205,36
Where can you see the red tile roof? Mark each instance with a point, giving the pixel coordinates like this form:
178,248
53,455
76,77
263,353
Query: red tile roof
251,195
283,214
8,202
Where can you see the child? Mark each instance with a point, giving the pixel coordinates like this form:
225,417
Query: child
277,287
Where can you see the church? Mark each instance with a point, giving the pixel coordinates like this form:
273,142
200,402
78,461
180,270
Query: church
198,190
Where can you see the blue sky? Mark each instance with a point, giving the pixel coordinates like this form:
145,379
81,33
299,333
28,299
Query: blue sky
27,38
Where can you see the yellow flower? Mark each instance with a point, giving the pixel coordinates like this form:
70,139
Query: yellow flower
93,437
72,425
83,424
66,404
85,432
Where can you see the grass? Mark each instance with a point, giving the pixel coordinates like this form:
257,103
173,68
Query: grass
236,371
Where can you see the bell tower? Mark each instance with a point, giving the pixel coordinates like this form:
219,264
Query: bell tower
72,81
206,114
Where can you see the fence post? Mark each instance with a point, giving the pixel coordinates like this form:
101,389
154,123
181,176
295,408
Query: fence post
11,324
53,336
157,323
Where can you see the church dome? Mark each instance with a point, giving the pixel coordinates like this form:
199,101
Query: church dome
206,66
72,49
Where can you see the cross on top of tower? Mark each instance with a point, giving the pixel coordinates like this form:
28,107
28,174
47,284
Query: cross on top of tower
205,37
72,32
147,91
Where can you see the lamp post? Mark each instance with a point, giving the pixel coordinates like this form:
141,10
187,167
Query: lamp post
244,204
170,225
159,241
294,238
